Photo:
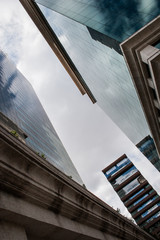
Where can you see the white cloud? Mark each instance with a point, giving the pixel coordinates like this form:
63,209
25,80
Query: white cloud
90,137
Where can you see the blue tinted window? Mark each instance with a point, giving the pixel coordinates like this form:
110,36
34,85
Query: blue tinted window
144,205
136,194
129,187
140,199
117,167
124,176
150,210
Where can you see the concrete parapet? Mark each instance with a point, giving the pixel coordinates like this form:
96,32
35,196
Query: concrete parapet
47,204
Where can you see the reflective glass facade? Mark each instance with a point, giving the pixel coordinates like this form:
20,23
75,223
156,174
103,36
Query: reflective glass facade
19,102
147,147
137,194
98,59
116,19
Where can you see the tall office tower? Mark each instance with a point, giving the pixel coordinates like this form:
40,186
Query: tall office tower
147,147
141,200
86,35
19,102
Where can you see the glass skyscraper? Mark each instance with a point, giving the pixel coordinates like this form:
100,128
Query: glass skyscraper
19,102
116,19
90,31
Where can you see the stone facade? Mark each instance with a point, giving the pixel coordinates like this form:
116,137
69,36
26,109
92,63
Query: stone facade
37,201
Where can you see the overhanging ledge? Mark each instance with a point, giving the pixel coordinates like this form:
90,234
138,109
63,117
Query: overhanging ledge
50,205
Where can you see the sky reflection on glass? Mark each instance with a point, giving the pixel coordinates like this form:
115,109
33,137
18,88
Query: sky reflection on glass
106,74
116,19
19,102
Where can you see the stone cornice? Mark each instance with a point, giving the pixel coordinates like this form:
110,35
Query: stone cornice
31,178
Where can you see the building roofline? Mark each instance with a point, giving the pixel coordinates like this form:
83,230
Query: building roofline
31,183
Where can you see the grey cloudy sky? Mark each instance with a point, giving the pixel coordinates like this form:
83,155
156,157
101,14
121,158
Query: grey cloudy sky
91,139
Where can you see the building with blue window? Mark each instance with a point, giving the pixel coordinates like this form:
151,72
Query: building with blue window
87,35
147,147
141,200
20,104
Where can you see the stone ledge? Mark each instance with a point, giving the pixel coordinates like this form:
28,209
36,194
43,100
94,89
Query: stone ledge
29,182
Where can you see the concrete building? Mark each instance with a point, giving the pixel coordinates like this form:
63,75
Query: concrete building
141,52
22,114
39,202
88,33
141,200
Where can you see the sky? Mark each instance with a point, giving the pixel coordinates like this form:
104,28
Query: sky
91,139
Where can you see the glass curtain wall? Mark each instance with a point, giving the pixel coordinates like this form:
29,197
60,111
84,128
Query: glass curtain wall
104,70
19,102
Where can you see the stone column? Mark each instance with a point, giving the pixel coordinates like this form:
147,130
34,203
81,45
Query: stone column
11,231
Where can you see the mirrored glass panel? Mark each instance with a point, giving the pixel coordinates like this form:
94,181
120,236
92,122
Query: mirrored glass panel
104,70
19,102
117,19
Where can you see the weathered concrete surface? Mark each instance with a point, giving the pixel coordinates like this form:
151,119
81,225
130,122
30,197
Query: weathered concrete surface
47,204
11,231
